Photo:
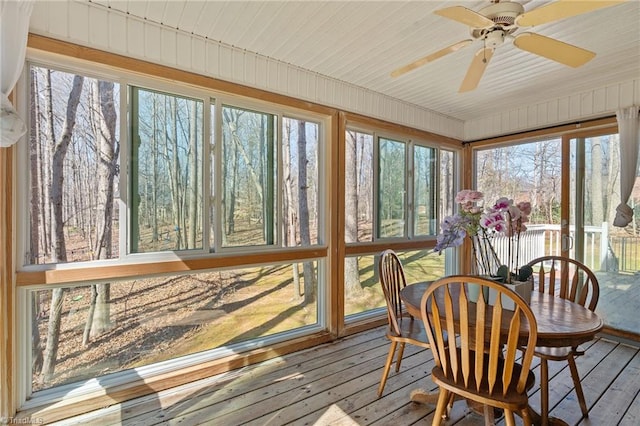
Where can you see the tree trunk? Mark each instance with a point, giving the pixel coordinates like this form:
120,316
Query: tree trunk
36,343
106,118
60,251
174,174
193,176
597,203
614,180
34,249
48,167
289,207
303,215
153,208
233,181
351,270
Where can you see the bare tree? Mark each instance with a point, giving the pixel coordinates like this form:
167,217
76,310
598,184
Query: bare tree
303,212
192,230
60,252
613,184
104,120
595,177
351,270
290,218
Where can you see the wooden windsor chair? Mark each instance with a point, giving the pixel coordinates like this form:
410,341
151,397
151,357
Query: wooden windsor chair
571,280
403,328
475,347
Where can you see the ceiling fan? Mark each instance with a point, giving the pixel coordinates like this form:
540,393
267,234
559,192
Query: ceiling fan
499,21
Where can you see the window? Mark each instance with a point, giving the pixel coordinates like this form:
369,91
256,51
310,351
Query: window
135,328
405,182
392,183
166,182
74,168
424,194
392,188
248,170
202,177
358,187
300,182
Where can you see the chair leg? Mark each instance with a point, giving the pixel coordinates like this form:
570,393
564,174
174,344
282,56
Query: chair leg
526,417
578,386
387,367
544,391
400,355
452,399
441,407
508,418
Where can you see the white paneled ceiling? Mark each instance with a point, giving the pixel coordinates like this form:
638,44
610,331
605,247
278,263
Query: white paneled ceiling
361,42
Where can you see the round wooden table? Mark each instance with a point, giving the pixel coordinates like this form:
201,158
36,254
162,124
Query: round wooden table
560,323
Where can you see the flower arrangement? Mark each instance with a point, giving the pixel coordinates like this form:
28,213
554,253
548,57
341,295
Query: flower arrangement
480,224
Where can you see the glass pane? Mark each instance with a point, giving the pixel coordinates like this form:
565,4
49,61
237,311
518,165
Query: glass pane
363,291
447,184
358,187
131,326
166,211
248,177
212,174
613,253
74,139
300,174
424,191
391,189
527,172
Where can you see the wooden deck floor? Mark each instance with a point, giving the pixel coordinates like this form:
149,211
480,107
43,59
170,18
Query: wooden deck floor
335,384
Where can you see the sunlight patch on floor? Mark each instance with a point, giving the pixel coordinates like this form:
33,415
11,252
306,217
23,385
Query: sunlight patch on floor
334,416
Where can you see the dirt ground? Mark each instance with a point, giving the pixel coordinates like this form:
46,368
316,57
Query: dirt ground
155,319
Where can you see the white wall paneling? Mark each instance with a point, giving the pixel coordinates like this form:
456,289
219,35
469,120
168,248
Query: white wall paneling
114,31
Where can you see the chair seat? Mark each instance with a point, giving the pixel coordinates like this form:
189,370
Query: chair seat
512,400
411,331
557,354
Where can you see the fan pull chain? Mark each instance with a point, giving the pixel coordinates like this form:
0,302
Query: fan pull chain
484,51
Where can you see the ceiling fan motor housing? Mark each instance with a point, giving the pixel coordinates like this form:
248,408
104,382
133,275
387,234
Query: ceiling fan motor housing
503,13
503,16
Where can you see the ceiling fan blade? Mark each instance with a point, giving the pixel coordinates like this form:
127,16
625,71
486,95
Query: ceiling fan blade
432,57
476,69
553,49
465,16
561,9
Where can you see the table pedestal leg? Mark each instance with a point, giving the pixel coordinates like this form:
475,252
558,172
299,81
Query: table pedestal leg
536,419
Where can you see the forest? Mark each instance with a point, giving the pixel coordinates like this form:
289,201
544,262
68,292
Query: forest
184,196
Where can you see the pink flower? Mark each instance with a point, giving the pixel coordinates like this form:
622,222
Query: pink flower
468,196
493,220
503,203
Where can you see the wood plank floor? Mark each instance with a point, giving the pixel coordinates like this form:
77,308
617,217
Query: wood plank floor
335,384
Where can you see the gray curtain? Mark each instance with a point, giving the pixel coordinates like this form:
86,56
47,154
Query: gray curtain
628,128
14,30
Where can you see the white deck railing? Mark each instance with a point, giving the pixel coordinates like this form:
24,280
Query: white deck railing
545,239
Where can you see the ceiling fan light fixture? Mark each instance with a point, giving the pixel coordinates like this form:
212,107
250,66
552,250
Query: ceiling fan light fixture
494,39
